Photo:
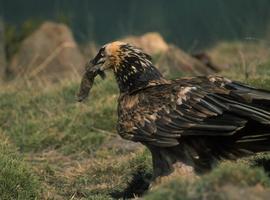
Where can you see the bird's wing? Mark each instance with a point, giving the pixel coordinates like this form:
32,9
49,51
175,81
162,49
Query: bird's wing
203,106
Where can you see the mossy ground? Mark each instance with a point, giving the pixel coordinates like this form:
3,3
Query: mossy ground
52,147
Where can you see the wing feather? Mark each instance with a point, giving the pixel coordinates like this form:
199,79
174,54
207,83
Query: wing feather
195,107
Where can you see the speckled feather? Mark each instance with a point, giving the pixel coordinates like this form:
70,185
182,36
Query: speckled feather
200,119
197,121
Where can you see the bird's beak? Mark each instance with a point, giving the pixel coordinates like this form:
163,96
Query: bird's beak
91,71
95,69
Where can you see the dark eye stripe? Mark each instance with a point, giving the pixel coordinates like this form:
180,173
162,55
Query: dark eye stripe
102,50
99,55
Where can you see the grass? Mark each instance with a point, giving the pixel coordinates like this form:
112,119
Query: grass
54,148
35,122
16,178
212,185
51,121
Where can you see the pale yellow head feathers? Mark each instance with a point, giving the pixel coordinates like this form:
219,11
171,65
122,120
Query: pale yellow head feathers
116,55
113,54
113,48
132,67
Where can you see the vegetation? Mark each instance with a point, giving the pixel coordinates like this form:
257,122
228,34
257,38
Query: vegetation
16,178
67,145
215,185
54,148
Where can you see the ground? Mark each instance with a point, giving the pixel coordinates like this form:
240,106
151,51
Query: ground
52,147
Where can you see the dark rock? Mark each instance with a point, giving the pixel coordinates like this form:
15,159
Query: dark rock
207,61
174,60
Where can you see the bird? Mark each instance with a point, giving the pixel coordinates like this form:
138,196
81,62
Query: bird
197,121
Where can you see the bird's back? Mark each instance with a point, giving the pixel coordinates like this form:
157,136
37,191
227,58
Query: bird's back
197,120
193,120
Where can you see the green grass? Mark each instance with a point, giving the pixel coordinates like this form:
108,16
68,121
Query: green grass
17,181
211,186
38,121
112,175
52,147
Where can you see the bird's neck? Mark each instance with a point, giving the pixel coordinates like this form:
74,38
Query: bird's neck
131,78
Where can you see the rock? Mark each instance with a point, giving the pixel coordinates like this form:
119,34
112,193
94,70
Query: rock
152,43
207,61
49,53
174,60
2,51
169,58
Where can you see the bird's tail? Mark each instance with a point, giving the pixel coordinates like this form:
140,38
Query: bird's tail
255,137
256,140
203,152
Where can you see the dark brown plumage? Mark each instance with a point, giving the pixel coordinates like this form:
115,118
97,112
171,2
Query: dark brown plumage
197,121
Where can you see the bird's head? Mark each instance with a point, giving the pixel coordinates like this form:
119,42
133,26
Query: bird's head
116,55
132,67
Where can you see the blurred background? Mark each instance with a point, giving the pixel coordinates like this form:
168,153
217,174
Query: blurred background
52,147
187,23
58,35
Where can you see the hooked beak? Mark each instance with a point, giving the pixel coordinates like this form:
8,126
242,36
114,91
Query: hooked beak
95,69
